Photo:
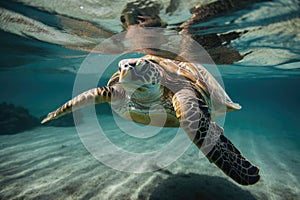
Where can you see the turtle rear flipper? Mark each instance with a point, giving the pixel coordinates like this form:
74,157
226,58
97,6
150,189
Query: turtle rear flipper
228,158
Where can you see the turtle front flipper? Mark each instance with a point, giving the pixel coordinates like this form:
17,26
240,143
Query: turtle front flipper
90,97
194,117
220,150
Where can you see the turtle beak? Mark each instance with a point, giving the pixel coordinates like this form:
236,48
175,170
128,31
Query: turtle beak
128,80
127,69
125,72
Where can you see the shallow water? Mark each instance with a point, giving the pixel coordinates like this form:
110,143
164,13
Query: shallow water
38,73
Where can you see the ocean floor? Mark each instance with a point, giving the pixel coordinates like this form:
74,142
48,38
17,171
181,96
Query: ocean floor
52,163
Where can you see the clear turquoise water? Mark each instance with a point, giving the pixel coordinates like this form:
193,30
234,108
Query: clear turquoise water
52,163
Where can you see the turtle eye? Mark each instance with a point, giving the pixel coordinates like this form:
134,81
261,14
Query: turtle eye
133,64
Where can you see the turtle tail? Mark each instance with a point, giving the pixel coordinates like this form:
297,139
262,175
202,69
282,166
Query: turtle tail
90,97
228,158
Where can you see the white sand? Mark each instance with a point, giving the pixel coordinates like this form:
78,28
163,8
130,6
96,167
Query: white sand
52,163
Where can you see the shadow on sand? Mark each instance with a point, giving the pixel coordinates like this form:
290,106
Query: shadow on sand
194,186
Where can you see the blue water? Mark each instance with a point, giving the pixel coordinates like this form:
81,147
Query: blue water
53,163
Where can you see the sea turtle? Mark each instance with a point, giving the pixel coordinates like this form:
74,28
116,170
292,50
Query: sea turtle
189,95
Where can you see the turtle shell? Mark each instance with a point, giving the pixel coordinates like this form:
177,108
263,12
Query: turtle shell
202,81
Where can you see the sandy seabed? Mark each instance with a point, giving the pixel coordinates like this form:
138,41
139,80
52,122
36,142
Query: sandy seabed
52,163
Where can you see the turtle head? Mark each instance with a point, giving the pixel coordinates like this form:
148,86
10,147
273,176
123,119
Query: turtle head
140,75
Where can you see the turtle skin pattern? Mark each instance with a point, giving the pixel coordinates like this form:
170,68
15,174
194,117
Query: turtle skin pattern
195,119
